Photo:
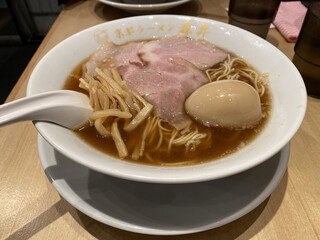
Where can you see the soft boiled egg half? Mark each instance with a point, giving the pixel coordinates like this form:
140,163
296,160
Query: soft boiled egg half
225,103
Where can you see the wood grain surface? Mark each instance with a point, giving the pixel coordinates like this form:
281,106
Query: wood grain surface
30,207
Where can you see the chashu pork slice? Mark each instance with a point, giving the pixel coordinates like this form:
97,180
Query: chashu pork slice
166,85
164,71
199,52
109,54
104,53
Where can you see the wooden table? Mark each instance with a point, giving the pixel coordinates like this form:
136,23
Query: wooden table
31,208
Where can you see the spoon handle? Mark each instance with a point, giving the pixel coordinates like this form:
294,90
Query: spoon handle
55,106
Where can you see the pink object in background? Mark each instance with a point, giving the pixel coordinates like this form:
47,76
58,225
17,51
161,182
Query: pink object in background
289,19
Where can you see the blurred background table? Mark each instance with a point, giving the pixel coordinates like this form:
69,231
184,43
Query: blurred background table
31,208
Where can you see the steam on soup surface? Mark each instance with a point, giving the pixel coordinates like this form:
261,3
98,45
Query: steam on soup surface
138,91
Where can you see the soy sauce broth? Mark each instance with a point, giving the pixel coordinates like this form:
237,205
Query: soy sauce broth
224,141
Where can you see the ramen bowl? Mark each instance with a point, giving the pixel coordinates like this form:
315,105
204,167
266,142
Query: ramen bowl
286,86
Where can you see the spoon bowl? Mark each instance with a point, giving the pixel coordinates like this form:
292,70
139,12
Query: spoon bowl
67,108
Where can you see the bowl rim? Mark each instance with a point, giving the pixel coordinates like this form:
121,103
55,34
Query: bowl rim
143,7
170,177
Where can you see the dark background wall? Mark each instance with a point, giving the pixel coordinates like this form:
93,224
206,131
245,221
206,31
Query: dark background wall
23,25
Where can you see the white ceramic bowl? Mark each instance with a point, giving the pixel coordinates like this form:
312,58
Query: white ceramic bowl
287,89
148,6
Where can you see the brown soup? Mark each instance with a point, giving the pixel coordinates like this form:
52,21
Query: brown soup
224,141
